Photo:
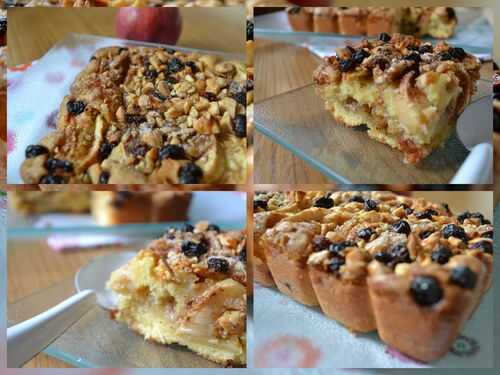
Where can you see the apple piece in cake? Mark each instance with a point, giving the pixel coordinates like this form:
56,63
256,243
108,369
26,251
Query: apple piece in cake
189,288
408,93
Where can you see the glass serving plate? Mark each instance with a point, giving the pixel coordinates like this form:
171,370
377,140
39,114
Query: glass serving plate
347,155
96,340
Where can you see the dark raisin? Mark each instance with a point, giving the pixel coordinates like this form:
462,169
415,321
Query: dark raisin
320,243
151,74
250,30
337,248
445,56
450,12
365,233
426,233
382,257
193,66
171,80
259,203
370,205
237,92
105,149
51,179
427,214
324,202
75,107
240,126
336,263
351,50
210,96
487,246
136,119
190,173
381,62
175,65
213,227
175,152
170,51
346,65
360,55
409,211
243,254
414,56
458,53
472,215
426,290
488,234
186,227
218,264
400,254
402,226
446,206
357,198
104,177
464,277
384,37
35,150
193,249
452,230
55,164
441,255
425,48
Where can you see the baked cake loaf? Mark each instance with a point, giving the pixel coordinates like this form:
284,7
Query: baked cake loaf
406,267
496,133
189,288
408,93
437,22
147,115
38,202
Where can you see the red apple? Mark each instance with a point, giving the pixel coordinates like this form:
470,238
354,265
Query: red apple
158,25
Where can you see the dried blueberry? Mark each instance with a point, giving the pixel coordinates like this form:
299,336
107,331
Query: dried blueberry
472,215
365,233
259,203
151,74
400,254
320,243
370,205
105,149
186,227
337,248
240,126
360,55
210,96
171,80
193,249
218,264
357,198
346,65
402,226
243,254
413,56
175,65
75,107
35,150
170,51
441,255
336,263
384,37
136,119
104,177
452,230
458,53
445,56
175,152
487,246
55,164
3,25
190,173
426,214
213,227
237,92
488,234
250,30
324,202
425,48
382,257
426,290
464,277
193,66
51,179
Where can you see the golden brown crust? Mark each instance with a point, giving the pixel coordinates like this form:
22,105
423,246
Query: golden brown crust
364,255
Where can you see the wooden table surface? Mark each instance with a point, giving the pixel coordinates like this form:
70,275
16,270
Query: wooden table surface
33,31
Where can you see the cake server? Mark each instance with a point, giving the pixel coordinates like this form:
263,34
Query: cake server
28,338
474,130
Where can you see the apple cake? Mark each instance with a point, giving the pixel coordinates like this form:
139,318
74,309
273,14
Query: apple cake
496,133
409,93
406,267
139,115
437,22
189,288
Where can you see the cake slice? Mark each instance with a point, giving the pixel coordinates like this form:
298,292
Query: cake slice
408,93
189,288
